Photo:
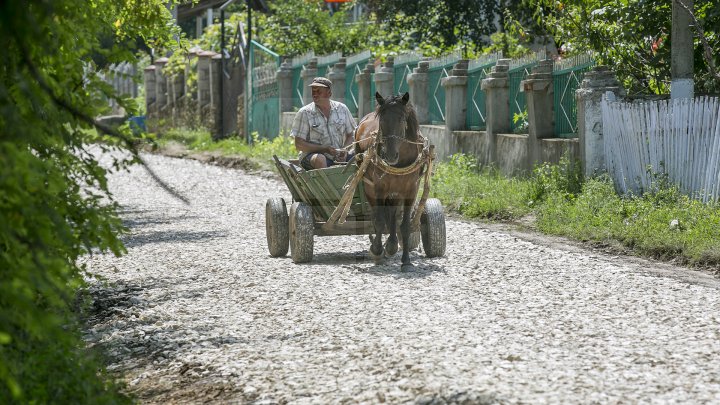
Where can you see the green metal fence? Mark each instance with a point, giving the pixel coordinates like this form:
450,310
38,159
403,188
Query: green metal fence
403,65
478,70
567,76
353,66
324,63
297,66
519,70
436,92
263,110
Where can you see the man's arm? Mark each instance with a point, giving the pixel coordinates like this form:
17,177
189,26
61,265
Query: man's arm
311,147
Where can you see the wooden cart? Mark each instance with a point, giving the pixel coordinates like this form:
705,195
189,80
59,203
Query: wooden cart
316,211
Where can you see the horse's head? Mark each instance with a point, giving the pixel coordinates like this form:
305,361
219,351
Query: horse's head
397,124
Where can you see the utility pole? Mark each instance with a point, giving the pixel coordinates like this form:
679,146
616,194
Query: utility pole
681,50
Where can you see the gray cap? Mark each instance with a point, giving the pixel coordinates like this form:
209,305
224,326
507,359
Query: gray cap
321,82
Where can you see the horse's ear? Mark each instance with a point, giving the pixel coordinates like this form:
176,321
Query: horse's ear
406,97
379,98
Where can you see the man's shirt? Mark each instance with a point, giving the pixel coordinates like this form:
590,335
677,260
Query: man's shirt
310,124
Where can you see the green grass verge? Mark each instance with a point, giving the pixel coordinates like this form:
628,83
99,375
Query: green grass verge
258,153
661,223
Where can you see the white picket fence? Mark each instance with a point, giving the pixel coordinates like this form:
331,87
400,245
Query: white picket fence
679,138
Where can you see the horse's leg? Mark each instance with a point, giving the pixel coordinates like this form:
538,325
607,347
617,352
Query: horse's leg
405,234
376,248
391,245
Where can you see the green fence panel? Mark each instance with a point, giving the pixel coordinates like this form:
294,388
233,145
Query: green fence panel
518,103
324,63
403,65
354,66
264,101
567,76
298,65
436,92
297,84
478,69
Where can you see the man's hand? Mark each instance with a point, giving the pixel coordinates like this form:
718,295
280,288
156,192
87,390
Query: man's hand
341,155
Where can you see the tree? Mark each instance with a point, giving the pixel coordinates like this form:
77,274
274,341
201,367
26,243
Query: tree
295,27
54,201
438,26
633,37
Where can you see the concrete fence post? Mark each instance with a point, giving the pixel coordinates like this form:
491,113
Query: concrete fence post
337,77
190,70
596,83
418,84
363,80
285,87
178,94
497,104
203,81
385,79
216,97
132,71
149,76
456,96
160,87
539,92
307,75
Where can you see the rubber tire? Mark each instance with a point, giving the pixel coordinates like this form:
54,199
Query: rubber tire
432,225
302,230
277,228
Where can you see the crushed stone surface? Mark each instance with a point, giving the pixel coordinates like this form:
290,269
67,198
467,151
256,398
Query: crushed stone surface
198,312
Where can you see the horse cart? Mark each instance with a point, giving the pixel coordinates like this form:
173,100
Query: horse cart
330,202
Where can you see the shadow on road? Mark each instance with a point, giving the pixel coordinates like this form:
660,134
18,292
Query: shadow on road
139,220
362,262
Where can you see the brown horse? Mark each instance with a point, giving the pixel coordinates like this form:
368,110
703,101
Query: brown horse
393,131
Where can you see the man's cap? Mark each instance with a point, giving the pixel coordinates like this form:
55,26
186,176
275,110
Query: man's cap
321,82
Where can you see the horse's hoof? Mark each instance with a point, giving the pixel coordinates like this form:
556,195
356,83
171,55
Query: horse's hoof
407,267
391,249
377,259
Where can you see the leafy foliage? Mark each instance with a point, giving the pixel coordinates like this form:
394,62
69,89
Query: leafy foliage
54,202
297,26
633,36
564,179
437,27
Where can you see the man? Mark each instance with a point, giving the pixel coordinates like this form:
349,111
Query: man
322,128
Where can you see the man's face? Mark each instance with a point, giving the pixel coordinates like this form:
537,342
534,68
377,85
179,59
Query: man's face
320,93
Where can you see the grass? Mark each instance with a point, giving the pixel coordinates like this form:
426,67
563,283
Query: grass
662,223
259,152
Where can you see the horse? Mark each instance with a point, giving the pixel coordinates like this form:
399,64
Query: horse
392,178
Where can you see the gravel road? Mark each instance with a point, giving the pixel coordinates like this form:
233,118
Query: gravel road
198,312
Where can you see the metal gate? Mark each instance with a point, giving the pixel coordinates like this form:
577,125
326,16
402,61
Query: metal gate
263,115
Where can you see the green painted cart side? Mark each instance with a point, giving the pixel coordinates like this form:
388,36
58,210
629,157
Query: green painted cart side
322,189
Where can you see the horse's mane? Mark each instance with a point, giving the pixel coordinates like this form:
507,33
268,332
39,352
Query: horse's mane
394,102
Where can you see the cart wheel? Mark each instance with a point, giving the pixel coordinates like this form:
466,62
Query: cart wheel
433,228
302,229
276,226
